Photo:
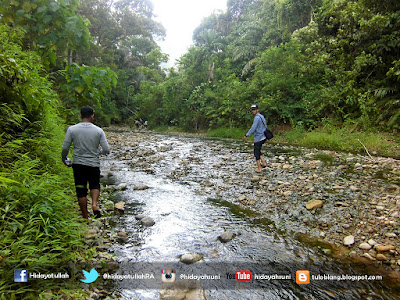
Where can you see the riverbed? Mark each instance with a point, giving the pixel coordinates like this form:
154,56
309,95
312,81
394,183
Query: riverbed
308,210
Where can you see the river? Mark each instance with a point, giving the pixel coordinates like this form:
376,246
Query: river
198,188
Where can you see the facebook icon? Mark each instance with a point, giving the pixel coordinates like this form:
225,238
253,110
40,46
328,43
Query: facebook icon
20,275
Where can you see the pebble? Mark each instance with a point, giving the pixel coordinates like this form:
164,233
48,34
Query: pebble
348,240
147,221
120,206
226,236
314,204
365,246
383,248
381,257
140,187
121,187
191,258
391,235
367,255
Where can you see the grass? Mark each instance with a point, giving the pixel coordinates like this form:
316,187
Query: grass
223,132
344,139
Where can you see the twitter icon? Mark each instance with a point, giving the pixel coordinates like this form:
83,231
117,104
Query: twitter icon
90,276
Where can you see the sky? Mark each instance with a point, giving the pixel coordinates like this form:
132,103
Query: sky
180,18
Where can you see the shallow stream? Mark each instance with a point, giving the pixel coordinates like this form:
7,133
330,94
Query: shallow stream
194,185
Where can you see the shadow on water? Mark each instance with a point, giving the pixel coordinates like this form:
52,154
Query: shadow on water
189,222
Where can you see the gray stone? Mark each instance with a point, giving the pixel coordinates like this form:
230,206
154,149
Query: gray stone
91,234
226,236
191,258
121,187
348,240
365,246
140,187
147,221
183,289
122,236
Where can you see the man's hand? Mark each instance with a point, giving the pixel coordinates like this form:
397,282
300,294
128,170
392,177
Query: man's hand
244,138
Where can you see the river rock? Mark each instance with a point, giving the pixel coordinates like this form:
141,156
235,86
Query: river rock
91,234
391,235
383,248
191,258
381,257
121,187
314,204
183,289
348,240
139,217
147,221
367,255
140,187
122,236
365,246
226,236
120,206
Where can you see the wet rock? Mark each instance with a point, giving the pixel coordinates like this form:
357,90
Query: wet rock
147,221
191,258
139,217
94,296
121,187
371,242
341,204
367,255
91,234
383,248
314,204
226,236
391,235
120,206
214,254
184,289
365,246
392,188
140,187
381,257
348,240
122,236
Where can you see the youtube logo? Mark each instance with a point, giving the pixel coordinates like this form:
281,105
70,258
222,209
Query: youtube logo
243,275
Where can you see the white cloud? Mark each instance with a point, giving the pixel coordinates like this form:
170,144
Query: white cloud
180,18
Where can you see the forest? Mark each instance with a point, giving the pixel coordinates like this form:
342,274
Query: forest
307,64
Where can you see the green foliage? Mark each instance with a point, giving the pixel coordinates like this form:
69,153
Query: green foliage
52,27
86,85
234,133
39,225
300,61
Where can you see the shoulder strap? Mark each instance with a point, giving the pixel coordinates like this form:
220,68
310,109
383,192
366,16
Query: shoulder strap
263,122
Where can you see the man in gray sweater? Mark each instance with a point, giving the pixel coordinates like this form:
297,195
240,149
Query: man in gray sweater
89,142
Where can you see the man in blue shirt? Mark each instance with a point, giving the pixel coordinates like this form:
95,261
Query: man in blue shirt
258,128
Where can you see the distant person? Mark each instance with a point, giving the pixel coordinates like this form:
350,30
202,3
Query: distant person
137,124
258,128
86,138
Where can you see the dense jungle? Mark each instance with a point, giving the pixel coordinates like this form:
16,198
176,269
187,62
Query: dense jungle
325,73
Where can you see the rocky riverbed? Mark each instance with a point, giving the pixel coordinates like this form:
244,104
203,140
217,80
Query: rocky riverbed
351,202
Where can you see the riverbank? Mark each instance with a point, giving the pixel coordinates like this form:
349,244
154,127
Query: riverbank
343,204
345,139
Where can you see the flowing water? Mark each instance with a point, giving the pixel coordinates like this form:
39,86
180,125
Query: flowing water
191,181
